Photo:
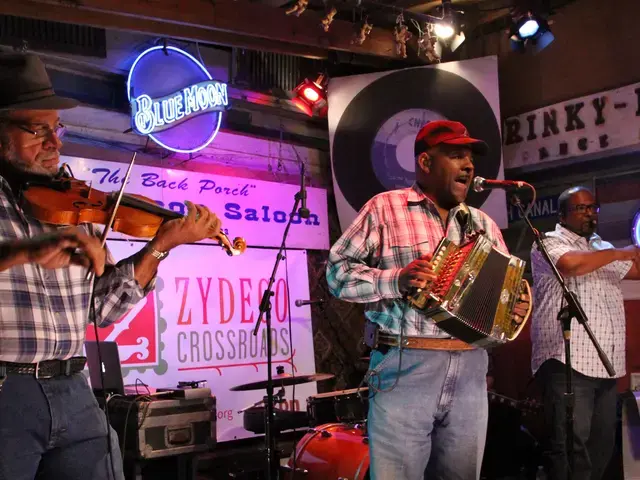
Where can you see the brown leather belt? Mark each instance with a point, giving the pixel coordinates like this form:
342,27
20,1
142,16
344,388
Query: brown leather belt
424,343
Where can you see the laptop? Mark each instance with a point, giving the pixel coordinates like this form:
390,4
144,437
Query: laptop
111,372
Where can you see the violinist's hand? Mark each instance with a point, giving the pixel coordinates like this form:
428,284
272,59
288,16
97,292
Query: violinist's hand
69,246
200,223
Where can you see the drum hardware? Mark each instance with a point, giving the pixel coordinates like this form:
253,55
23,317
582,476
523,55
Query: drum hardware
277,398
253,420
342,406
283,380
273,422
289,469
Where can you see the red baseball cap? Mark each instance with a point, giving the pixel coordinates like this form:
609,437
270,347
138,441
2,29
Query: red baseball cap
451,133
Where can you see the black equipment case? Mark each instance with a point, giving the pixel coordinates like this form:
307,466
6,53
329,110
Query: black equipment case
162,427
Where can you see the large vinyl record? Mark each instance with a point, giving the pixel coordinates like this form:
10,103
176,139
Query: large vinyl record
372,148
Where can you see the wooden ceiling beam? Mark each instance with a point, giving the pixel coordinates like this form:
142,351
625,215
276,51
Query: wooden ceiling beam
237,23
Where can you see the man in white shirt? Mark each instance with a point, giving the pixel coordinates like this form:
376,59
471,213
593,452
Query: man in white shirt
593,269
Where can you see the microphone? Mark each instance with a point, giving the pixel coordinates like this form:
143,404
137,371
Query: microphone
303,211
302,303
480,184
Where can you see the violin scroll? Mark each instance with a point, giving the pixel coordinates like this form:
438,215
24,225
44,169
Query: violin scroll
238,246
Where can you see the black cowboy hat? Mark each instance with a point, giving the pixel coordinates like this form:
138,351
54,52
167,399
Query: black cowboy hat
25,85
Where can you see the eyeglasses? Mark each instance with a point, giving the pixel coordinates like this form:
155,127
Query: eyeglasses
41,130
582,208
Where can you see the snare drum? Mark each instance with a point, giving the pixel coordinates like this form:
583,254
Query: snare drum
347,406
332,451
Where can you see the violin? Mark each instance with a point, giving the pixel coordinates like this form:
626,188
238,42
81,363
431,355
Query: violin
64,200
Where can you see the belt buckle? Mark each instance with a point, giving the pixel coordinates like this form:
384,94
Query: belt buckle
41,377
67,368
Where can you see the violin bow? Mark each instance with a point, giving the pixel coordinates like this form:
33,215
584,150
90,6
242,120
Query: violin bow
114,210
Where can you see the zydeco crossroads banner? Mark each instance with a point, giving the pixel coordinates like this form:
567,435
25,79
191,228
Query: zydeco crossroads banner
198,325
256,210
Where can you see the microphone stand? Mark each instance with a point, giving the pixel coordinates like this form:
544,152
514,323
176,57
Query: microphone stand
571,310
265,309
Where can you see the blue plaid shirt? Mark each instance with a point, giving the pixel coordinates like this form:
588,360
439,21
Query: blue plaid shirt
44,313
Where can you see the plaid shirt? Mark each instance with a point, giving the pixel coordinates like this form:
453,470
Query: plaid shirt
44,313
393,229
600,295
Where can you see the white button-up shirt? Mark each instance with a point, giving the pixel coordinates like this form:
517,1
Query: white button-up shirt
600,295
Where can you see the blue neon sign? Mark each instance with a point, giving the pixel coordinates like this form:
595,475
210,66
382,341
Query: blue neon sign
174,100
635,229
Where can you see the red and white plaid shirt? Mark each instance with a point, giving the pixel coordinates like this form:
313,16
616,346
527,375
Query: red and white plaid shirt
393,229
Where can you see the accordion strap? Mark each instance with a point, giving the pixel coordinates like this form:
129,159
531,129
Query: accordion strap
466,222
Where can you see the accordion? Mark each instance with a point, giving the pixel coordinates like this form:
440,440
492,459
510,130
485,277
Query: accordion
475,292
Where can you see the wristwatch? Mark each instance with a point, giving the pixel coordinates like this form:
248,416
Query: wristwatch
157,254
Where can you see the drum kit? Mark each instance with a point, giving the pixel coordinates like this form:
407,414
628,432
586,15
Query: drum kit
336,443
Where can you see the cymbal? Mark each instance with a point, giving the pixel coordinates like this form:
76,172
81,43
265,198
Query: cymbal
284,380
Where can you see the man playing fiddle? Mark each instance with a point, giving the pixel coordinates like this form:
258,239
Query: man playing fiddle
50,423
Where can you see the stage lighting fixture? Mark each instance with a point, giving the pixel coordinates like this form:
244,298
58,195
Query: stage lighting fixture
530,31
447,29
452,43
310,95
443,30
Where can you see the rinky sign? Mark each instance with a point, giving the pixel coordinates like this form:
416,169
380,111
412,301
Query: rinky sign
174,100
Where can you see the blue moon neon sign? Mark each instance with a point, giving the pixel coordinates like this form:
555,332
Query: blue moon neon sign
174,100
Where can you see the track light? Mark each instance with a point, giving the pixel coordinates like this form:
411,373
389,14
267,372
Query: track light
447,29
530,31
444,31
310,95
449,42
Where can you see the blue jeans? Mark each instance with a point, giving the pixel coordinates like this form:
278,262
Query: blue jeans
433,424
54,429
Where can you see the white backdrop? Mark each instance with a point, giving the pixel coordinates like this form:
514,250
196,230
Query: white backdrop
253,209
198,325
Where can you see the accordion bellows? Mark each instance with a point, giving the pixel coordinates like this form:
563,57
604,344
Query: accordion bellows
475,293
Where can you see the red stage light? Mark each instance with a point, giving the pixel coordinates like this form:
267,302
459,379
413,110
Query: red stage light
309,94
